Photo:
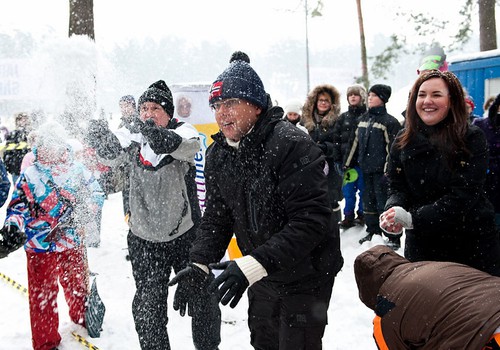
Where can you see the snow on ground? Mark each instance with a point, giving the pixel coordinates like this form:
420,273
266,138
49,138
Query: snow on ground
350,322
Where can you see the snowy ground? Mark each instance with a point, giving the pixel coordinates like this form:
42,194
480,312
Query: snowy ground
349,320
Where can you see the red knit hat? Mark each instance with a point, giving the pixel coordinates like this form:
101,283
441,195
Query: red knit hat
470,102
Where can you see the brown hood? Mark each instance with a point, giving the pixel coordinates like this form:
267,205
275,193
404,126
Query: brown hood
372,268
310,107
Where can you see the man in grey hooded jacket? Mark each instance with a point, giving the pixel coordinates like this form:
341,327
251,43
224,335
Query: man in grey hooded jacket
164,214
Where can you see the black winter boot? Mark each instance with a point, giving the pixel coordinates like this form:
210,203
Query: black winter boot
368,237
360,220
348,222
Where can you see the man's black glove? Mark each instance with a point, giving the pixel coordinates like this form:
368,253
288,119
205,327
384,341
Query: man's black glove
160,139
97,132
100,137
233,281
11,239
135,125
192,284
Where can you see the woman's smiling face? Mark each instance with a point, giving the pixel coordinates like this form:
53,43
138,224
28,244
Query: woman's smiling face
433,101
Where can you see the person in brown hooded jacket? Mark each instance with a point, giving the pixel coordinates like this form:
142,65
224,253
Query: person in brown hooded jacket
319,115
428,305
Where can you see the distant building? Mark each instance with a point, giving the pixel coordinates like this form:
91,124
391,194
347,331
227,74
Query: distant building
479,73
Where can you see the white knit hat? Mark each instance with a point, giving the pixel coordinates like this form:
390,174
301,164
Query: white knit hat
294,106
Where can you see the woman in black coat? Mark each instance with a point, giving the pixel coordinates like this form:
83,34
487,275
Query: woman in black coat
320,113
437,171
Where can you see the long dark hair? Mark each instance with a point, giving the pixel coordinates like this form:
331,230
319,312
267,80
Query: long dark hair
447,136
493,113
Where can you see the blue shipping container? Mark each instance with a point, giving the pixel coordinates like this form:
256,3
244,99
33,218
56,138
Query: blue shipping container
480,74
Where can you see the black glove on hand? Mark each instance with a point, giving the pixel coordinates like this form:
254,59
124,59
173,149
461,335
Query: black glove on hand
97,132
135,125
233,281
160,139
100,137
192,282
11,239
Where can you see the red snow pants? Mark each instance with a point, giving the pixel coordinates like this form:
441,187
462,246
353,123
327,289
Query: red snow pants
70,268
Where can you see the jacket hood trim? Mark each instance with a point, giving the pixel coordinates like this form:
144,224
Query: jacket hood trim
309,110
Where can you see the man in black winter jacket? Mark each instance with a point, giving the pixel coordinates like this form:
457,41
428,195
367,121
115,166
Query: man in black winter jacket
265,184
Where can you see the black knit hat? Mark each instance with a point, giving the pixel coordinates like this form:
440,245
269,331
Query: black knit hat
239,80
159,93
382,91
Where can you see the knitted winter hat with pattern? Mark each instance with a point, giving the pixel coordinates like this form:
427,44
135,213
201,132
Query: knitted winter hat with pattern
239,80
434,58
159,93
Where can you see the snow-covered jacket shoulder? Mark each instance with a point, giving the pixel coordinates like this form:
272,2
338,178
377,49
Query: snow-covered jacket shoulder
427,305
162,202
271,193
42,199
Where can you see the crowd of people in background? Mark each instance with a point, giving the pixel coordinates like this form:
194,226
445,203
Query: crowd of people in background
287,181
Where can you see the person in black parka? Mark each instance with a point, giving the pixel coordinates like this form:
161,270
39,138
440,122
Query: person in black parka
320,113
266,185
344,133
437,170
373,138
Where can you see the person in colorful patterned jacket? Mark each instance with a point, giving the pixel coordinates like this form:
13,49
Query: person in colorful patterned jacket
53,204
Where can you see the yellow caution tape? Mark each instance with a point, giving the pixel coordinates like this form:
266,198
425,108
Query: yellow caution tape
13,146
22,145
14,284
84,341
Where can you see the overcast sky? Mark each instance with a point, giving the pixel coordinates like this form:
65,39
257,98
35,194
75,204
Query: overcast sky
250,25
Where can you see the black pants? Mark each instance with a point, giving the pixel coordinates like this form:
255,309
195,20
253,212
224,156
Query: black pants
374,198
280,318
152,264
